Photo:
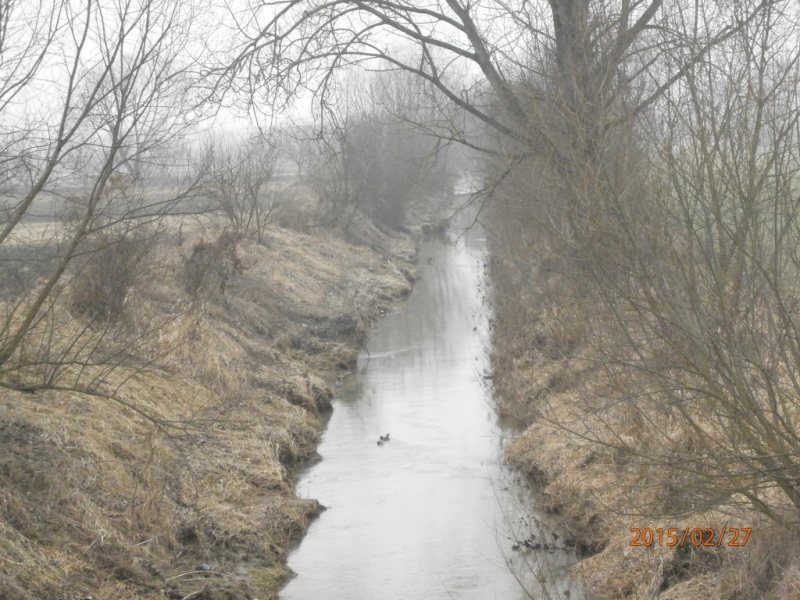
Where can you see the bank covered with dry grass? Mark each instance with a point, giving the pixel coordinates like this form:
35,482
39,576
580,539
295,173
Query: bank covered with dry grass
178,482
603,464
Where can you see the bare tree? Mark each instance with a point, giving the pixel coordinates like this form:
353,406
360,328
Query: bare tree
242,182
588,52
709,321
675,244
370,156
561,82
684,305
296,147
111,71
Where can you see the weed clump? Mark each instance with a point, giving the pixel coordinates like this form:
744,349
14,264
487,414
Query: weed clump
110,268
211,265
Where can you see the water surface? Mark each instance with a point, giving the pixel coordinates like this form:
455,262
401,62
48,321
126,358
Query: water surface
431,514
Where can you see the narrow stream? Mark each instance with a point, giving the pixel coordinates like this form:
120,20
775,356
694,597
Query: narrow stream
432,513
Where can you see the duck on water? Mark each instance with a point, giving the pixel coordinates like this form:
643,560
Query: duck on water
383,439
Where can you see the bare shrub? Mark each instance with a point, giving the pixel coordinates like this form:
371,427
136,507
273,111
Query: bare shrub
241,183
211,264
369,158
107,272
296,217
766,568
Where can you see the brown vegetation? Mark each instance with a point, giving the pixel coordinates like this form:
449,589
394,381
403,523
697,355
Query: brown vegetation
604,466
182,484
640,159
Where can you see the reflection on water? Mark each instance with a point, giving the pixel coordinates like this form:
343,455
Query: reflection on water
428,515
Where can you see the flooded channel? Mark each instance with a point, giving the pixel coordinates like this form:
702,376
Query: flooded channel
432,513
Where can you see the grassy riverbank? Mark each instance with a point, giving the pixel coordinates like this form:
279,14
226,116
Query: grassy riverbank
550,379
182,486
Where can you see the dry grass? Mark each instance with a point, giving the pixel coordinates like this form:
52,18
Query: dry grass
594,459
597,488
96,500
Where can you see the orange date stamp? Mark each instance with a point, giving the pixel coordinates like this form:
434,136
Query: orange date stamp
691,536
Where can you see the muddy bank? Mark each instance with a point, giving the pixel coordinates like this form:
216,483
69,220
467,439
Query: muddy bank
184,486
